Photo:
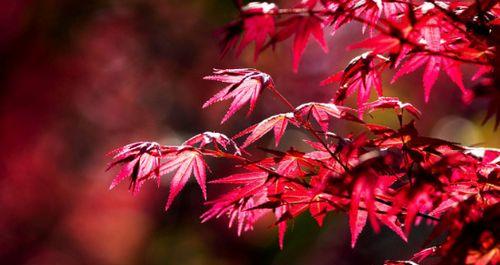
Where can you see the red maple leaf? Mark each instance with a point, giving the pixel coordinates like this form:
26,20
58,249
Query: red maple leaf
186,161
245,86
241,203
140,161
438,39
367,185
361,75
217,139
258,23
379,44
277,122
364,195
372,11
433,65
302,26
292,163
322,112
391,103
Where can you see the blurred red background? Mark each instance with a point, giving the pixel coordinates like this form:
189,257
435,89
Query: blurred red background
79,78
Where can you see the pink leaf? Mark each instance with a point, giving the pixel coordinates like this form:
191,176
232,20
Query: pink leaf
393,103
217,139
243,178
322,112
141,162
245,86
357,219
431,73
303,27
186,162
258,23
278,122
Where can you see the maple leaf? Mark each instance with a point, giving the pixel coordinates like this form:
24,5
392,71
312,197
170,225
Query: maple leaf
302,26
229,36
141,161
391,221
416,201
393,10
322,112
276,122
321,202
379,44
430,34
367,185
254,177
240,204
217,139
433,65
392,103
258,23
186,161
391,42
280,214
357,219
372,10
290,200
361,74
292,163
245,86
319,206
295,197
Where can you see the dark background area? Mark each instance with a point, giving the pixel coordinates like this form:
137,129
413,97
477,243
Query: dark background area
80,78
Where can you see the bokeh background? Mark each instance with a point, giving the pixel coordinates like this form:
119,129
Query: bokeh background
79,78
